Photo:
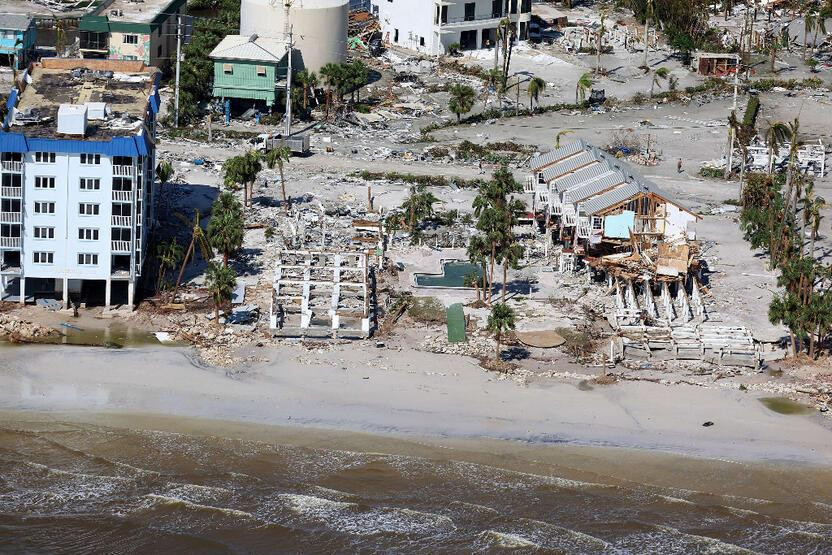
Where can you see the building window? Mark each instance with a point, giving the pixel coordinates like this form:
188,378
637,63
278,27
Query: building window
87,234
42,207
44,232
261,71
43,182
421,41
228,69
87,259
130,39
87,209
43,257
395,35
597,223
90,184
45,157
91,159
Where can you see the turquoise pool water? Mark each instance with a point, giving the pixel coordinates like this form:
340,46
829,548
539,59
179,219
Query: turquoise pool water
453,275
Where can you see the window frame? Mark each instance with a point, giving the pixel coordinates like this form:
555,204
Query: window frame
37,255
83,180
96,208
37,232
82,260
95,233
40,203
50,180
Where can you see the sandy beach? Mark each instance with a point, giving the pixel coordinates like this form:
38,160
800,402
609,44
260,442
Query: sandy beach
403,392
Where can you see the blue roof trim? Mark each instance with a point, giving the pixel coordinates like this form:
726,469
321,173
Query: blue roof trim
13,142
155,101
12,99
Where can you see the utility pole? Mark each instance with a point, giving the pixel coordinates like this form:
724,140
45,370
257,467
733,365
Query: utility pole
289,45
178,58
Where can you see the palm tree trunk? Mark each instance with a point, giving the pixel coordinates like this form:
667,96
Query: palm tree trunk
505,279
491,271
182,269
283,186
216,313
793,342
498,345
225,259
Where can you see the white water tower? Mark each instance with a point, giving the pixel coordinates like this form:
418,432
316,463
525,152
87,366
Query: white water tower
319,27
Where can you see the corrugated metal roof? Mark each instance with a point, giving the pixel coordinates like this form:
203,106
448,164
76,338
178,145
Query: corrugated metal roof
548,158
253,48
611,198
584,175
569,165
14,22
595,187
135,145
586,183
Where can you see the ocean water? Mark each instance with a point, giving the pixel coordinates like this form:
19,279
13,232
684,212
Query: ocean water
83,488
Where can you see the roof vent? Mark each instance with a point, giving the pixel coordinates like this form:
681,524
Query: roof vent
253,38
72,119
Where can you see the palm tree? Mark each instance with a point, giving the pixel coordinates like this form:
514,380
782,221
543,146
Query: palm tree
820,24
199,240
648,15
462,100
308,81
660,73
418,206
220,281
777,134
278,157
168,255
743,133
506,32
164,171
332,76
501,320
599,45
561,133
511,253
809,20
536,87
478,249
225,228
493,78
584,84
242,170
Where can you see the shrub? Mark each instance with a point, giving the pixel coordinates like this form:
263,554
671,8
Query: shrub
426,310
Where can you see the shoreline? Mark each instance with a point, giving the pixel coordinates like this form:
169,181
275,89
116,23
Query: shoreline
616,467
409,394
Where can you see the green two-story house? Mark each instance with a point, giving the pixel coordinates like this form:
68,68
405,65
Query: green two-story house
249,68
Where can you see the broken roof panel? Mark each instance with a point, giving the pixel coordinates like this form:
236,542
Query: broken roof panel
548,158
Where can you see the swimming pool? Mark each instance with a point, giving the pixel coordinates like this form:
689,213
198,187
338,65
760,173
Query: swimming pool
453,275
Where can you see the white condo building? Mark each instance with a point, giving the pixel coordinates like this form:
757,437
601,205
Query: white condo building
77,162
430,26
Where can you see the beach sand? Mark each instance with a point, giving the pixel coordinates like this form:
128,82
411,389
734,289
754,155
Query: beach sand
408,393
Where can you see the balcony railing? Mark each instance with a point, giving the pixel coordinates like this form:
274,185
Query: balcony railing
122,221
13,192
120,246
11,217
122,171
10,242
122,196
14,167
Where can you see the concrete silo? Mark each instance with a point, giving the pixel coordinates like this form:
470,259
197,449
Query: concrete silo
319,26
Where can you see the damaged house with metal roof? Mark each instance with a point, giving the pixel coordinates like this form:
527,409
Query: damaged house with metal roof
640,240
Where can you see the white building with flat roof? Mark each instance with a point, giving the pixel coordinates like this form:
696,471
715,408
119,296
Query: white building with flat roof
76,181
430,27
